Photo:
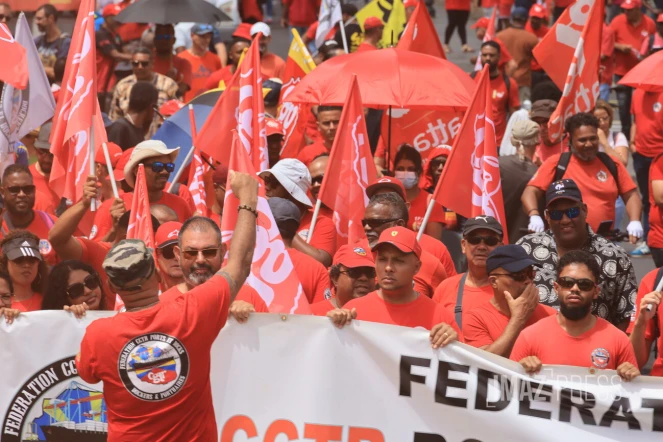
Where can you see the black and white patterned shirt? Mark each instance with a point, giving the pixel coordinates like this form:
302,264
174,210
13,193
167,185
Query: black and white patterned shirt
618,284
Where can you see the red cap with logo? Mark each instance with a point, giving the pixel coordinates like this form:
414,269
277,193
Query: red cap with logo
538,11
167,233
402,238
386,182
352,256
274,127
114,152
372,23
631,4
119,167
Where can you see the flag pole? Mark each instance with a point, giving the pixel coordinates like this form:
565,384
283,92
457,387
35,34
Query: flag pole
109,165
424,223
318,203
344,38
93,203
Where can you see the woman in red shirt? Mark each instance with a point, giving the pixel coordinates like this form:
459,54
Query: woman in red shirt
22,260
458,11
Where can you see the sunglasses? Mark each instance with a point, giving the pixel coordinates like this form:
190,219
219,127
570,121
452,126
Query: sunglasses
490,241
375,223
28,190
168,252
5,18
158,167
317,179
518,277
357,272
140,63
584,284
207,253
163,36
557,215
77,290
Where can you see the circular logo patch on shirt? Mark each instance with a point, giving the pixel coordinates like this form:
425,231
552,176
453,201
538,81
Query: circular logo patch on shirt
154,366
600,357
657,107
44,247
602,176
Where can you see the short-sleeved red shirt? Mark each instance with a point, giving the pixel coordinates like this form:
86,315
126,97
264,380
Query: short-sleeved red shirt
630,35
321,308
41,183
430,275
223,74
604,346
502,102
607,65
653,330
364,47
324,234
310,152
446,294
646,109
655,236
437,248
418,208
201,68
31,305
155,363
246,293
598,187
312,275
302,13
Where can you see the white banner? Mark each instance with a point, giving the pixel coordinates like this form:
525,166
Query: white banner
285,377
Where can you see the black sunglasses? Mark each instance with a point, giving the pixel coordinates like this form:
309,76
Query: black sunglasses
28,190
490,241
143,64
357,272
158,167
207,253
317,179
571,212
584,284
375,223
167,252
77,290
518,277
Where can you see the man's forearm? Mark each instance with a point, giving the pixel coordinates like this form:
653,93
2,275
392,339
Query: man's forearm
504,344
639,342
530,200
65,227
317,254
241,248
633,205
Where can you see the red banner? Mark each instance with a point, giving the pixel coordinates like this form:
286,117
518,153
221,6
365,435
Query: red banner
14,67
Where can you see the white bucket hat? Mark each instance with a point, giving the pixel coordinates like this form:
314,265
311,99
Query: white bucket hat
294,176
144,150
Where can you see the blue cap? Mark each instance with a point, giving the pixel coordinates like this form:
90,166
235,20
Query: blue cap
202,29
512,258
520,12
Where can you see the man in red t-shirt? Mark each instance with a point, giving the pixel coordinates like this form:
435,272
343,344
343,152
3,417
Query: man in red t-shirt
41,170
373,29
504,97
576,337
461,293
168,264
154,359
646,324
237,47
299,14
271,65
655,235
495,325
396,301
109,52
166,63
202,61
328,118
541,112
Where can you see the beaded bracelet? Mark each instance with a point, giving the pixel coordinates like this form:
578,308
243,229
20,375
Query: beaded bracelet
249,208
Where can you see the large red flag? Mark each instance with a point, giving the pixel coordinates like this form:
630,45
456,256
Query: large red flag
420,34
470,183
272,275
77,104
14,66
575,41
349,172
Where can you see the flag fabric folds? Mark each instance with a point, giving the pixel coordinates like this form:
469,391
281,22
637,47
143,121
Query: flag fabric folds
491,33
420,34
329,15
14,66
197,184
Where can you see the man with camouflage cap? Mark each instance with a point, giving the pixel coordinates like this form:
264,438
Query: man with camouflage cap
154,359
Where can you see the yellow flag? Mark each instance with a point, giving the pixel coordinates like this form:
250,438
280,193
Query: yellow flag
300,54
391,12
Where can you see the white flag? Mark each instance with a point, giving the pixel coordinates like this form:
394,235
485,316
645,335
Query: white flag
330,14
22,111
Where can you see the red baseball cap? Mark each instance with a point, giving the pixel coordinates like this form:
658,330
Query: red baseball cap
631,4
170,107
372,23
119,167
538,11
402,238
386,182
111,9
167,233
353,256
243,30
274,127
410,3
481,23
114,152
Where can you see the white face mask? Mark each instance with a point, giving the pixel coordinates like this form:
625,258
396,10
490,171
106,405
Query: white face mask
409,179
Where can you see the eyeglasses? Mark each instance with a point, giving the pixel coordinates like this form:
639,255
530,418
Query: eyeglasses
557,215
584,284
5,18
376,223
77,290
207,253
158,167
518,277
28,190
163,36
142,64
317,179
490,241
167,252
357,272
6,298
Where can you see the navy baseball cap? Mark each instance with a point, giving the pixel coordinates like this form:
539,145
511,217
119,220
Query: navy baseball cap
202,29
512,258
520,13
563,189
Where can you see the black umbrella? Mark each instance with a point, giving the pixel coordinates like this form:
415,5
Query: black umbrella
165,12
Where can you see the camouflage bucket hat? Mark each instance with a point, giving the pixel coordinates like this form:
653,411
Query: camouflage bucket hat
129,260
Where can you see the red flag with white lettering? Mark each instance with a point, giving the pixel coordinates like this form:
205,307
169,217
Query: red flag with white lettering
575,39
349,172
272,274
76,108
140,221
14,66
470,183
420,34
197,184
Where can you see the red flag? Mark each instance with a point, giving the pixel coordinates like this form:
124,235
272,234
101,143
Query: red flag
76,108
470,183
575,41
349,172
423,129
14,66
491,32
272,275
140,221
197,184
420,34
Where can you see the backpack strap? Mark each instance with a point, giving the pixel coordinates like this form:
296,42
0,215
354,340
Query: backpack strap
610,164
562,164
507,84
46,218
458,310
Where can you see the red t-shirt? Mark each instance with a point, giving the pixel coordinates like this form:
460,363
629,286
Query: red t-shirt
422,312
42,185
43,203
655,235
272,66
430,275
598,187
485,324
437,248
363,47
625,33
324,234
543,152
214,80
31,305
604,346
646,109
312,275
502,102
155,363
446,295
418,208
457,5
607,66
103,221
94,254
179,66
246,293
321,308
107,41
653,330
310,152
41,224
302,12
201,68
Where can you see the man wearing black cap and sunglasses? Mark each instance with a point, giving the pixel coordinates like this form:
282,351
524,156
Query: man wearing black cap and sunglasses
461,293
566,214
495,325
575,336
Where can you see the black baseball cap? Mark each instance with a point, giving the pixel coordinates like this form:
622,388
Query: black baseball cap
21,247
563,189
482,222
512,258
